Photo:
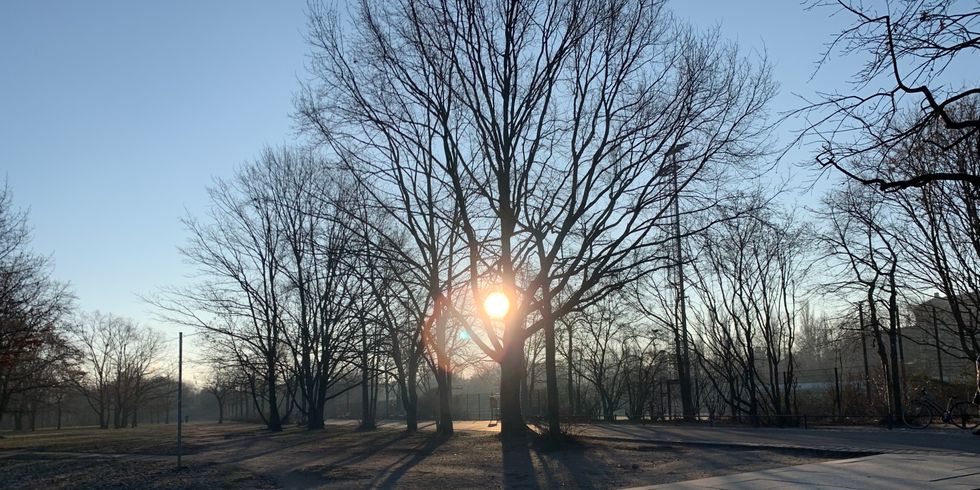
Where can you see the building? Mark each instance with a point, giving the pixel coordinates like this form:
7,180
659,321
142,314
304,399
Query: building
933,343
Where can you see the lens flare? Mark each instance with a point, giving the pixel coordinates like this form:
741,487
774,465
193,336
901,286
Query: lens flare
496,305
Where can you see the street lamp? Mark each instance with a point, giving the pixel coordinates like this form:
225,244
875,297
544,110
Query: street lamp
683,361
675,149
496,305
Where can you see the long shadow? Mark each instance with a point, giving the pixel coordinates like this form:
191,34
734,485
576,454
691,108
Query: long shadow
518,469
373,448
627,431
405,463
246,456
577,463
275,442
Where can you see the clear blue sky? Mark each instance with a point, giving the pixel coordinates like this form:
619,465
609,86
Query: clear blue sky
115,116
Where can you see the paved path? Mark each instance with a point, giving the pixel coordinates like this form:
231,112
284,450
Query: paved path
892,471
909,459
860,439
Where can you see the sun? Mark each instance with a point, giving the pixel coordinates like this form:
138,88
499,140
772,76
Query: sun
496,304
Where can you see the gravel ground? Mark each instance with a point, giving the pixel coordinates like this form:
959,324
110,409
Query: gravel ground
244,456
43,471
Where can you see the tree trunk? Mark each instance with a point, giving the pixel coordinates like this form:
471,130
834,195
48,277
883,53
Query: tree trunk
444,382
551,379
880,347
608,411
367,415
511,377
896,381
273,423
410,402
444,378
572,409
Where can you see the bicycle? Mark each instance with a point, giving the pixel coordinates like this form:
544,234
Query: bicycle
921,411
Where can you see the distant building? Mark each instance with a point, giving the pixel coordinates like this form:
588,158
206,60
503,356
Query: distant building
933,343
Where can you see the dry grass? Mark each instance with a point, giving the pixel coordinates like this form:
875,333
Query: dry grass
244,456
147,439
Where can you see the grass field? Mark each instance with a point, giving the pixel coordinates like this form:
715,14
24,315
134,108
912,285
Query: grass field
246,456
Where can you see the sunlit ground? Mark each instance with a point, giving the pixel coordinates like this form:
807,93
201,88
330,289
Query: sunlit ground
246,456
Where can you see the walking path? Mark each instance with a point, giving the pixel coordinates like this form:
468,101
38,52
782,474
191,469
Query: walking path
892,471
845,439
909,459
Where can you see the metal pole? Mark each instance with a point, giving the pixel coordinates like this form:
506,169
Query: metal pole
180,390
684,371
901,350
864,349
939,354
840,404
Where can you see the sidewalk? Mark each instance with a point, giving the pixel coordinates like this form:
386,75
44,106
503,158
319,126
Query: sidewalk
857,440
909,459
892,471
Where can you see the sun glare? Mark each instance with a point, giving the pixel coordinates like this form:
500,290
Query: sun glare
496,305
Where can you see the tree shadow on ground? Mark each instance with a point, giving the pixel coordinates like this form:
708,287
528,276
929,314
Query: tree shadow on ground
536,461
518,469
376,444
570,461
391,474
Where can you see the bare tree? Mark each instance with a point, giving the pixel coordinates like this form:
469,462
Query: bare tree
118,357
644,364
545,123
34,351
284,291
750,280
938,225
399,310
901,90
860,234
606,353
324,293
242,295
220,384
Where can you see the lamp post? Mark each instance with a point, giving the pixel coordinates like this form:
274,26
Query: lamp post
180,391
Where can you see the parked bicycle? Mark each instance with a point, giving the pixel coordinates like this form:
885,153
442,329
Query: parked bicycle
922,410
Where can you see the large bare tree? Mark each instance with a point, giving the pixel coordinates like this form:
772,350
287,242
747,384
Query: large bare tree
544,126
751,280
860,238
34,350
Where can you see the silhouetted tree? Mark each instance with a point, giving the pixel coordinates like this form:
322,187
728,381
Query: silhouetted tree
901,90
544,125
220,384
34,351
118,357
860,235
